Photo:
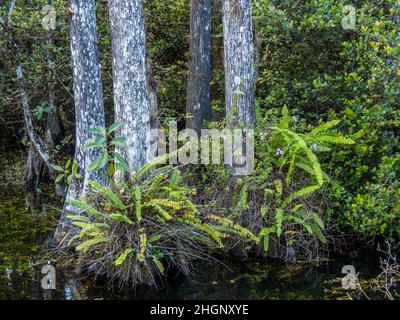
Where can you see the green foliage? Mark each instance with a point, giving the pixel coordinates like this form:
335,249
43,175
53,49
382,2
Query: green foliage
327,73
146,221
68,173
105,143
288,172
376,210
41,110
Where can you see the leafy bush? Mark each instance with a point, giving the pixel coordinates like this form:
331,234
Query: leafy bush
376,210
328,73
280,201
135,231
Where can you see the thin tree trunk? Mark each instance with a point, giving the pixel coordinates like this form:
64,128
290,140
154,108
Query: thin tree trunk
53,124
53,127
89,110
32,169
239,55
35,139
257,48
198,105
131,103
152,94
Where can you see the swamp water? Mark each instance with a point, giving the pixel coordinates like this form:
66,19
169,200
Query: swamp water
26,220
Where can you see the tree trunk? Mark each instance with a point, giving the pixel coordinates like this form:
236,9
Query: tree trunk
198,105
152,94
239,54
88,94
53,125
37,143
32,169
131,103
258,41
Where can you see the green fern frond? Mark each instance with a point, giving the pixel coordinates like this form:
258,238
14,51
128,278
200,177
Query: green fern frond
302,193
111,196
121,259
323,127
84,246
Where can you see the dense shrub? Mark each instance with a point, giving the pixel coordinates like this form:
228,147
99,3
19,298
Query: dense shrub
325,72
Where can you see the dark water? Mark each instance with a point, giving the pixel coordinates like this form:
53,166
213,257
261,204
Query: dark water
27,219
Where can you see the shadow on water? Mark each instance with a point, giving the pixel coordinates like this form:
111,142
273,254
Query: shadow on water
26,220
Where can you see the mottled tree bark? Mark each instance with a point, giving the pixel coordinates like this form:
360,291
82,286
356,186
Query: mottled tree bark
88,94
131,103
238,61
198,105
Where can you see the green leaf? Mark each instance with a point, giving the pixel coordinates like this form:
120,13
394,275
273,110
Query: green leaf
120,218
299,194
155,162
111,169
121,161
138,202
154,238
85,207
68,164
94,164
98,130
279,217
266,243
104,159
335,139
59,177
158,264
58,168
121,259
324,127
119,142
159,209
114,126
85,246
77,218
108,193
285,121
263,211
318,221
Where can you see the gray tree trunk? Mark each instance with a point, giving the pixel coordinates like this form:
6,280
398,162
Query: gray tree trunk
238,62
53,124
131,103
88,94
198,104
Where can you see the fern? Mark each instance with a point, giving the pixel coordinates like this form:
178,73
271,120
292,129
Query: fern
138,203
109,194
121,218
85,207
324,127
85,246
279,218
121,259
302,193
